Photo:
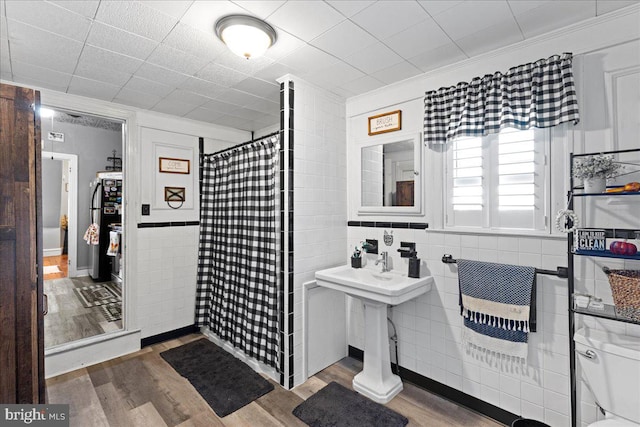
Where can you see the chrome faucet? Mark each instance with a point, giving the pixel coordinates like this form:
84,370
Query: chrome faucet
384,259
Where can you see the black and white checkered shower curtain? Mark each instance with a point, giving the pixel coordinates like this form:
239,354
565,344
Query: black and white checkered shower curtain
237,281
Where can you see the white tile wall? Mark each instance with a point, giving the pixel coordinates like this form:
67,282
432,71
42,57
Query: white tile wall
165,283
429,327
320,193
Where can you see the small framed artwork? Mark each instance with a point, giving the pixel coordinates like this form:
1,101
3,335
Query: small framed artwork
170,165
386,122
174,194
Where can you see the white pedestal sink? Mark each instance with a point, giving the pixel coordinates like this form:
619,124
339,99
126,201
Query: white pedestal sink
376,290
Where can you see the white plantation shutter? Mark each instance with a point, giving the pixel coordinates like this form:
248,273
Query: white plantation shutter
498,181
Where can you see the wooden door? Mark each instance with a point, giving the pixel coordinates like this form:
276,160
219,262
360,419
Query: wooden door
404,193
21,298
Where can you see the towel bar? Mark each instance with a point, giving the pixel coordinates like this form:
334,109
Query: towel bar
561,272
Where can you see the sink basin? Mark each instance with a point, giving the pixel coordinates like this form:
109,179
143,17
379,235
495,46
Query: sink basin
390,287
376,290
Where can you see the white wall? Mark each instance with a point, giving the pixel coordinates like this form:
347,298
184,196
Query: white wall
320,197
429,327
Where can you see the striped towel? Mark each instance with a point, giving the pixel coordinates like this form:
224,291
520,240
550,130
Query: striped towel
496,302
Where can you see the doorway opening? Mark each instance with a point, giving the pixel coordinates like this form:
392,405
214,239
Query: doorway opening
82,205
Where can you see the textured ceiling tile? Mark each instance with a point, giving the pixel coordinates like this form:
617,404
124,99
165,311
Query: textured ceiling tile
204,14
148,86
374,58
344,39
262,9
135,17
243,65
187,97
220,75
606,6
136,99
92,88
555,15
37,84
285,44
384,19
120,41
236,97
419,38
172,8
470,17
45,75
434,7
175,108
204,115
195,42
173,59
86,8
293,18
202,87
438,57
335,75
491,38
161,75
350,8
396,73
236,122
49,17
219,106
259,88
274,71
93,56
307,59
89,70
363,84
34,46
270,107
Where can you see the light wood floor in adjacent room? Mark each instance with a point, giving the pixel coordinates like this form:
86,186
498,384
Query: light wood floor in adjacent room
62,261
143,390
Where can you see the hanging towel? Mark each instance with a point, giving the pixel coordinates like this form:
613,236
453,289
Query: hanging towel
496,303
114,243
92,235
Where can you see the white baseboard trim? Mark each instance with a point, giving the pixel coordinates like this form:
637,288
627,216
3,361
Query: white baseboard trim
52,252
78,354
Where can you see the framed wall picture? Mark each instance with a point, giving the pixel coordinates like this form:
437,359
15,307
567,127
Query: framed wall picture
174,194
171,165
385,122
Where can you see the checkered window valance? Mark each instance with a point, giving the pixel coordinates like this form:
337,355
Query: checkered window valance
538,94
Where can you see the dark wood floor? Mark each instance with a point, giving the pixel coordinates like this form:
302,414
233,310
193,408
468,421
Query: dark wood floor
68,320
143,390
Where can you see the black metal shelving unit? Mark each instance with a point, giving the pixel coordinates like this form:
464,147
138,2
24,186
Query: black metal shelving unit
609,311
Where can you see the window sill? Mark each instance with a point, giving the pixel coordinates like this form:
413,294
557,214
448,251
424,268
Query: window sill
509,233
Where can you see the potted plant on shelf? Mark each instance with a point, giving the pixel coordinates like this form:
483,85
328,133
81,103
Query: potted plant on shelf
594,171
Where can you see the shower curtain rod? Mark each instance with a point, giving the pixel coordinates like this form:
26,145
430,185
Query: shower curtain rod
243,143
561,272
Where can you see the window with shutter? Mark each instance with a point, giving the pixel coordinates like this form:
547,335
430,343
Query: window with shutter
498,181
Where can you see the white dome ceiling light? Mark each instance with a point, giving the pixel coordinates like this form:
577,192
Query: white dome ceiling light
246,36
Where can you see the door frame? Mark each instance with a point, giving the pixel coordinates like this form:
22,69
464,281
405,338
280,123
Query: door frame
72,229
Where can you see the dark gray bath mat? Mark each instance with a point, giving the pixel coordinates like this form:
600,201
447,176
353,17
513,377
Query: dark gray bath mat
226,383
336,406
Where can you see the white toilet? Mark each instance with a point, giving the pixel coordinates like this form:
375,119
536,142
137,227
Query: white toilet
611,367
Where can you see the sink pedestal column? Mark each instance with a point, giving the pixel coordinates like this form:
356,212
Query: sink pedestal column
376,380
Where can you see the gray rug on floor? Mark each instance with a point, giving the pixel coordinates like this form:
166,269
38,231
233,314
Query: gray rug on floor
337,406
99,294
112,311
226,383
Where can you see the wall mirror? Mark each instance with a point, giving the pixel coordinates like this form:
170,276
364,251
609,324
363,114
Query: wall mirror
391,175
